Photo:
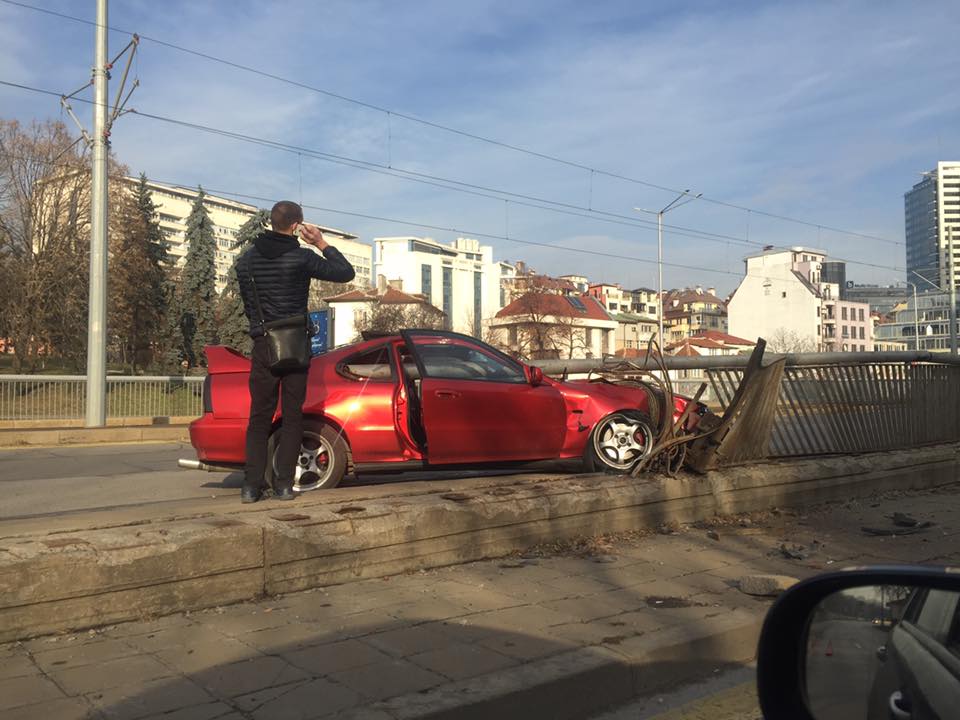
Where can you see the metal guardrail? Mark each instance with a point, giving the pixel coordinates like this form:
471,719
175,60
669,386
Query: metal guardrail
63,397
865,407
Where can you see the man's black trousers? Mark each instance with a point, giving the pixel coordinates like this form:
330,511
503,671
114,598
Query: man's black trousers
265,385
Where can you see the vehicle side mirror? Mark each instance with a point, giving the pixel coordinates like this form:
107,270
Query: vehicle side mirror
852,643
536,375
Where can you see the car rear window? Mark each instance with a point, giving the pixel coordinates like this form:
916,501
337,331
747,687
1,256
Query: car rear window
372,364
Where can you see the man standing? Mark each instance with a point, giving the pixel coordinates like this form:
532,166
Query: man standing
280,270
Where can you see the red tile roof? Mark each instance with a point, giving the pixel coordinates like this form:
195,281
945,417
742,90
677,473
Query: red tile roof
698,342
724,338
631,353
392,296
535,303
686,350
353,296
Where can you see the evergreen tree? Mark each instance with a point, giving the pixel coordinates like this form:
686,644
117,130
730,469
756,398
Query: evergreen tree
138,301
198,294
233,322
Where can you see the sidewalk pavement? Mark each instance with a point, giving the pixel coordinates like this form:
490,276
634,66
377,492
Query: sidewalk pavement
560,632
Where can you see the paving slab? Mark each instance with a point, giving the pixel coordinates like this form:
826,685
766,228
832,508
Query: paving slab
305,655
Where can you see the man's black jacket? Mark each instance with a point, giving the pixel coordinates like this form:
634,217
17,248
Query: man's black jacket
283,270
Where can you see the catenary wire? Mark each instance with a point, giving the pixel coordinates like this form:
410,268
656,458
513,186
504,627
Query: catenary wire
456,131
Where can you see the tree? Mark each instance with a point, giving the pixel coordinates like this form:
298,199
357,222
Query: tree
198,294
138,293
784,340
392,318
233,321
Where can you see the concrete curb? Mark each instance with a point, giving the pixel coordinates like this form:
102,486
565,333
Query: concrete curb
582,682
119,433
71,580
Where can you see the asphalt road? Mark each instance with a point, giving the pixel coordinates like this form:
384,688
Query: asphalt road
38,482
841,662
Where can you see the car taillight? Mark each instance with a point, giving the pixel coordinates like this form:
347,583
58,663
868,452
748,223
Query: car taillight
207,395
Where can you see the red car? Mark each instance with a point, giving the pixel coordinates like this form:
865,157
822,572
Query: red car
430,399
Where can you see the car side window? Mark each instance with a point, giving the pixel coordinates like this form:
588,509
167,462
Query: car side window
449,361
373,365
937,614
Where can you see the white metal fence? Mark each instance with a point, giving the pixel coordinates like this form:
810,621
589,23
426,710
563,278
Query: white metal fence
63,397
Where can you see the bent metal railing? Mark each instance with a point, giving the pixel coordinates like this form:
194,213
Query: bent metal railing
831,403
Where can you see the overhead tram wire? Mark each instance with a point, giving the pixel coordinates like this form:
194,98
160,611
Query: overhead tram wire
433,226
456,186
431,180
452,130
428,226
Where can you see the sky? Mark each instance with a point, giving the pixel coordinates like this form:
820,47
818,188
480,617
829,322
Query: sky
825,112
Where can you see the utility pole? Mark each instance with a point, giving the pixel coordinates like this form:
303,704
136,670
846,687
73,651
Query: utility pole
953,294
660,213
97,314
99,144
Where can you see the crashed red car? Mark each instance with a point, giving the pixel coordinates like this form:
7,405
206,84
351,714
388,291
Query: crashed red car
428,399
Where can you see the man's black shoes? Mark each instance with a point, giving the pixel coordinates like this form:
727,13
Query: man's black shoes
250,494
284,493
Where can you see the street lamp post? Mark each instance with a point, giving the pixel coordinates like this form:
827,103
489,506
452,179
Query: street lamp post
916,317
673,205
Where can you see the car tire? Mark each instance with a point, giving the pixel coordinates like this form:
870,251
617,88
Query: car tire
618,442
322,462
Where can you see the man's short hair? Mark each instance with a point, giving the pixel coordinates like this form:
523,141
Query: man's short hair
285,214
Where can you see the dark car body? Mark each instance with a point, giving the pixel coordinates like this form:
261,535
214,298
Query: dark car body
918,670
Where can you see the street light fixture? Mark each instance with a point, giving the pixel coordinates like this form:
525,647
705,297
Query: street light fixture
674,204
916,317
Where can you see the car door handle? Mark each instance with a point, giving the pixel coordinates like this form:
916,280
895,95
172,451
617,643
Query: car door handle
446,393
897,702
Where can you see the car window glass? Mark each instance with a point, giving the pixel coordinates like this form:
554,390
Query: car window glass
373,364
936,615
461,362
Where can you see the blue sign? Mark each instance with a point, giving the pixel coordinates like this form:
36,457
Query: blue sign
320,331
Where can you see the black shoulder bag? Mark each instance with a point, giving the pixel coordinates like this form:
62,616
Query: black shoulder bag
288,339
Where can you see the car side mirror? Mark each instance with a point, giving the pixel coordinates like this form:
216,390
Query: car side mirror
853,643
536,375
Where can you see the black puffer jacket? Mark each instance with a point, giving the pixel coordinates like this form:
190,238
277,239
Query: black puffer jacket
283,270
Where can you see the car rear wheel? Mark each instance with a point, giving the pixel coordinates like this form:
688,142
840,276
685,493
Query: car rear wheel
321,463
618,442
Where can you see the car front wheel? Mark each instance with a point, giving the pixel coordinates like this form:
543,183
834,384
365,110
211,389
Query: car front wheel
321,463
619,441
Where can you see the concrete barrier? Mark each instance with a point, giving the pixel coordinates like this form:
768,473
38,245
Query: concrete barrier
56,580
37,434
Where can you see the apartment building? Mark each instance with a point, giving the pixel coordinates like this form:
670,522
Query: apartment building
228,216
689,311
460,278
784,299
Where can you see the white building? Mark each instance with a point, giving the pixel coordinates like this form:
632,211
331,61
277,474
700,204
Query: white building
783,300
228,216
460,278
352,309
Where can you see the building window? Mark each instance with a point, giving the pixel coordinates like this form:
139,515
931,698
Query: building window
477,305
843,313
448,297
861,331
426,281
783,294
860,314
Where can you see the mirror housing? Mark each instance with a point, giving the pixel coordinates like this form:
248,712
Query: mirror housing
535,375
781,654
